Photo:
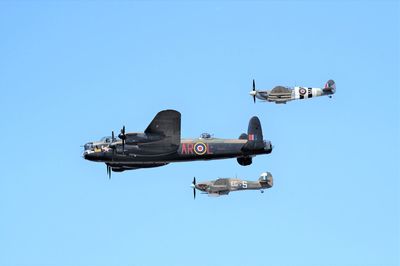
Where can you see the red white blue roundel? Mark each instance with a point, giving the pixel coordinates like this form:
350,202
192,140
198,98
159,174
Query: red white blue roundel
302,91
200,148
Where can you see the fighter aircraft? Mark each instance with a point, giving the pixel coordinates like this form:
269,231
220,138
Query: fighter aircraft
222,186
281,94
161,144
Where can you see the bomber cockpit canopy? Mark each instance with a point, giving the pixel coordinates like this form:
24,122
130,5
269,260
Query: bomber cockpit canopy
107,139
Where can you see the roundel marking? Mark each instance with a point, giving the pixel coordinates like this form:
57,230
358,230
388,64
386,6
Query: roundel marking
200,148
302,91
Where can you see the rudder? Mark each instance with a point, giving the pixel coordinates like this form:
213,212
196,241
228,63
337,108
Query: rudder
330,86
255,140
254,131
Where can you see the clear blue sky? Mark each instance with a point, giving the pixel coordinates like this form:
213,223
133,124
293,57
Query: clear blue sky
71,72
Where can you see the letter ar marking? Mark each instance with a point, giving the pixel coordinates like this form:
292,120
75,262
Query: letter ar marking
184,148
190,148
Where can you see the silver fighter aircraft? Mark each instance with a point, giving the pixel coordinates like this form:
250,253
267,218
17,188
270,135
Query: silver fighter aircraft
222,186
281,94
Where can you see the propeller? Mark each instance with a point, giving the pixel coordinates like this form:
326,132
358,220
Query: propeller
109,171
194,187
254,92
112,142
122,136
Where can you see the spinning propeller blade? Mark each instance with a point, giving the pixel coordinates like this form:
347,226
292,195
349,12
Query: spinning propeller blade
194,187
122,136
254,91
109,171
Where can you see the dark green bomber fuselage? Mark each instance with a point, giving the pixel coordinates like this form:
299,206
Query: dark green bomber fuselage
147,155
161,143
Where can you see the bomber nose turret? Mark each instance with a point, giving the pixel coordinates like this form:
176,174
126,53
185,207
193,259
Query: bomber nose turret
87,148
87,156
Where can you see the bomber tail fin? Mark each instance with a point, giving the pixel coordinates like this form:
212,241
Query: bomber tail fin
254,130
254,135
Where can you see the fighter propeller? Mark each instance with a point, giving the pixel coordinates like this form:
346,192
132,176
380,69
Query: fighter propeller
254,92
194,187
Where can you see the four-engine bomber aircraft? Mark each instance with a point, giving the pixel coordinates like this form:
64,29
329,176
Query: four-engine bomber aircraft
161,144
281,94
222,186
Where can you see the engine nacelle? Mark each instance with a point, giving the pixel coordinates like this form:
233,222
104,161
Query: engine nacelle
245,161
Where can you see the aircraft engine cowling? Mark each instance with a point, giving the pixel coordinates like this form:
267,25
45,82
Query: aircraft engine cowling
244,161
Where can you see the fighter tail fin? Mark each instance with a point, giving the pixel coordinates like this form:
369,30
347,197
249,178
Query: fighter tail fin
266,180
330,86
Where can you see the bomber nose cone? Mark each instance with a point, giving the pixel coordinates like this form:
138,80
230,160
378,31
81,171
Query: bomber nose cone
92,156
87,156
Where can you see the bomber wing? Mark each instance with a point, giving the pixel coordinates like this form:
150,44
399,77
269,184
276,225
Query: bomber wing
162,136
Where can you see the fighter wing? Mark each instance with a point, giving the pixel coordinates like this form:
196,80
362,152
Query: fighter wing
220,186
221,182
